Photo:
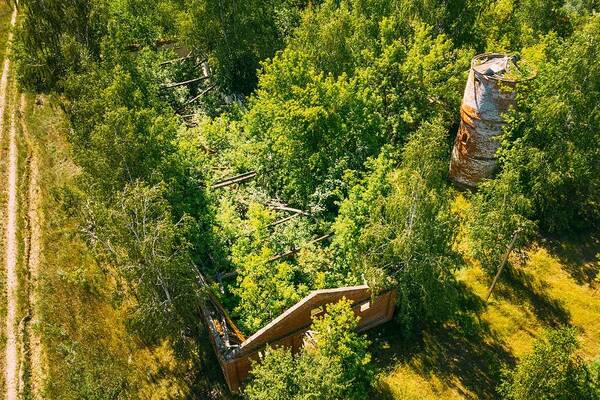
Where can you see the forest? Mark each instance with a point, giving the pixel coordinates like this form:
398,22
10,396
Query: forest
252,152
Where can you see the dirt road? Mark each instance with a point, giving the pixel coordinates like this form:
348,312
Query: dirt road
11,359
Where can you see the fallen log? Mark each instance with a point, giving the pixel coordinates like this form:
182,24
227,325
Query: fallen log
175,60
234,179
297,249
284,220
286,208
183,83
208,89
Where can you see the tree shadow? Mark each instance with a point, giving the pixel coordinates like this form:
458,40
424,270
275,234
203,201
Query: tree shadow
208,381
579,256
519,286
463,352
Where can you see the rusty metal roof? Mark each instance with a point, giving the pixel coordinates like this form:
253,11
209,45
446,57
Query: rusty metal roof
499,66
493,66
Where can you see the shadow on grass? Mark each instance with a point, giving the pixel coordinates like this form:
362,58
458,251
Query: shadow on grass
579,256
463,353
519,287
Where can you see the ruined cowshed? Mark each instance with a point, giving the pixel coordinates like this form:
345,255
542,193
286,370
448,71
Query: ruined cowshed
290,329
489,93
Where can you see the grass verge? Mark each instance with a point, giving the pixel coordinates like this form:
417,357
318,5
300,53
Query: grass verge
86,345
5,14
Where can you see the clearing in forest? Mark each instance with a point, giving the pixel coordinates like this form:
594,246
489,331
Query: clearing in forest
553,283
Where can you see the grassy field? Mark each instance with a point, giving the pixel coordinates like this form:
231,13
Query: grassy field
81,334
554,282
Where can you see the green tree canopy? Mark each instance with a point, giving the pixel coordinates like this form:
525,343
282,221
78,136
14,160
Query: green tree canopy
499,212
150,252
552,371
334,365
407,230
553,139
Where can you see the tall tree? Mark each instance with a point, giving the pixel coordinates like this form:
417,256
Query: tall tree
552,371
553,140
58,37
409,230
499,210
334,366
237,35
308,128
150,252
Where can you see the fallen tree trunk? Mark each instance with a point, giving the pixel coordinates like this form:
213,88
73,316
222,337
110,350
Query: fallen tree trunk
175,60
234,179
183,83
297,249
504,260
208,89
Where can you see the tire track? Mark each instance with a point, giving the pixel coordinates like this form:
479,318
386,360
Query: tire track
11,356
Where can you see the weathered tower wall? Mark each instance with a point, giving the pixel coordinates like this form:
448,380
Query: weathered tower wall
488,95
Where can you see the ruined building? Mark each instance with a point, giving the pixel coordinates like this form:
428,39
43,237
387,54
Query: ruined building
490,92
290,329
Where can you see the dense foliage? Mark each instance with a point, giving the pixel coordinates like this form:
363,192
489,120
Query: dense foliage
345,110
405,232
237,36
553,139
311,121
333,366
552,371
499,216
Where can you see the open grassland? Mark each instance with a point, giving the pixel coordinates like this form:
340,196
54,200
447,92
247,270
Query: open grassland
554,282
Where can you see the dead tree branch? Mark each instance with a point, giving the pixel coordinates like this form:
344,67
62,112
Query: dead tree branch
504,260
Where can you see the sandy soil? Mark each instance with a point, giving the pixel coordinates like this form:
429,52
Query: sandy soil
11,283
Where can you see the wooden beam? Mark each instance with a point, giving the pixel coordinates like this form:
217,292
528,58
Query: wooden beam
504,260
220,307
215,301
183,83
208,89
284,220
173,61
234,179
285,208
